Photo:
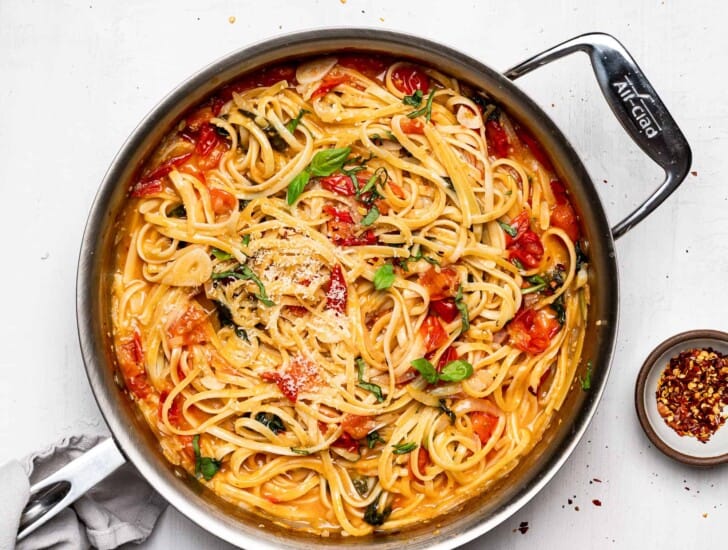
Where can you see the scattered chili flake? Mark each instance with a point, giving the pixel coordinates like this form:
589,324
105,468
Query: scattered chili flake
596,502
693,391
522,528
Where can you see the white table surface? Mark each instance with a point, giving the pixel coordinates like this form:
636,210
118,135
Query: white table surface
76,77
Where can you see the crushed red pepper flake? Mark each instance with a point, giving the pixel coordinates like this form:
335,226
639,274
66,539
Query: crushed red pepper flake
693,391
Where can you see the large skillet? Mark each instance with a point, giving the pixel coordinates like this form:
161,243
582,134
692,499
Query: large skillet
635,104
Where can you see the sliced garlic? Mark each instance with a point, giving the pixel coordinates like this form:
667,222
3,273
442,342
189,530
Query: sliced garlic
468,118
192,268
315,70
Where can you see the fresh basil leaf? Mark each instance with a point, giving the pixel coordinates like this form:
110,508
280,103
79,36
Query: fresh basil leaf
558,307
581,258
586,382
457,370
373,516
361,485
224,315
296,187
445,409
537,282
178,211
272,421
204,465
379,177
373,438
292,124
517,263
242,203
384,277
241,333
300,451
413,100
463,309
426,369
328,161
221,254
508,229
371,216
374,388
426,110
448,180
244,273
404,448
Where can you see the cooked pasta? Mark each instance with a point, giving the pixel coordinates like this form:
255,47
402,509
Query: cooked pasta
348,293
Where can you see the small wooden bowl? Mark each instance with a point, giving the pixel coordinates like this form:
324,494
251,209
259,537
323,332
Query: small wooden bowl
682,448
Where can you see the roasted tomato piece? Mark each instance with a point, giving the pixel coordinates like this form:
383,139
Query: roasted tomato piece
410,78
300,375
189,328
369,65
357,426
330,81
497,139
433,333
445,309
423,459
336,291
531,330
447,357
175,409
526,246
222,201
534,146
265,77
131,364
563,215
410,126
441,283
347,442
483,425
340,184
153,181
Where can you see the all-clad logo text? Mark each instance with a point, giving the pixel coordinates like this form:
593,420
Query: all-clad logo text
637,106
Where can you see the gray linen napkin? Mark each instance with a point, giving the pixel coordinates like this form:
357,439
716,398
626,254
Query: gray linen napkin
122,508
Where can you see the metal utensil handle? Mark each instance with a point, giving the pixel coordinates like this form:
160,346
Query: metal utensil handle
636,105
62,488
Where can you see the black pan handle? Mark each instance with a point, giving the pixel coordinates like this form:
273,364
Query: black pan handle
636,105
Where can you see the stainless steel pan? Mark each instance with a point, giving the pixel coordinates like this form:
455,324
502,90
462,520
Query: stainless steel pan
633,101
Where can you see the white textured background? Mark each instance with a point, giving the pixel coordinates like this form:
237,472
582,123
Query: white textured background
76,77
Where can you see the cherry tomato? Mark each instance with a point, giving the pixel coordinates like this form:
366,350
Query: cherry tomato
534,146
340,184
190,327
357,426
207,138
131,365
563,215
531,331
445,309
265,77
347,442
369,65
483,425
497,138
433,333
301,375
330,82
526,246
222,201
410,126
409,78
175,409
153,181
336,293
440,283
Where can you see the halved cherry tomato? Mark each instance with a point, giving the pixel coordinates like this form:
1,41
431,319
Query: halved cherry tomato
497,139
526,246
369,65
409,78
340,184
534,146
483,425
153,181
299,376
222,201
410,126
441,283
531,330
563,215
175,409
131,364
433,333
265,77
347,442
445,309
338,214
330,82
357,426
190,327
207,138
336,291
341,229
